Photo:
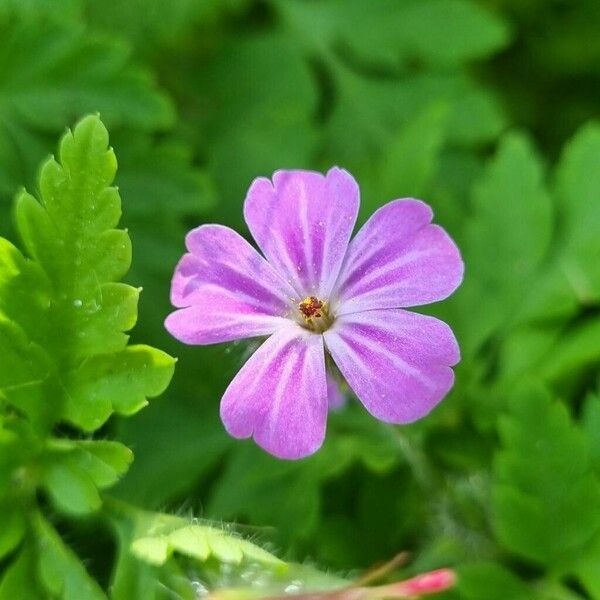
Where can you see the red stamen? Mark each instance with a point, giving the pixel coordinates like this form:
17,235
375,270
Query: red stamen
311,307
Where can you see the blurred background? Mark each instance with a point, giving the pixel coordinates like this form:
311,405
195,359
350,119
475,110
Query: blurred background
467,104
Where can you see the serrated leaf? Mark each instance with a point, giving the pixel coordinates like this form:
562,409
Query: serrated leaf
201,542
60,570
133,578
506,239
23,289
53,71
546,499
24,371
370,111
157,536
578,192
121,382
45,62
70,234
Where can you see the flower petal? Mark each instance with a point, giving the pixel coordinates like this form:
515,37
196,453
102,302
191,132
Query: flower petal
397,362
280,395
225,289
335,398
302,222
398,259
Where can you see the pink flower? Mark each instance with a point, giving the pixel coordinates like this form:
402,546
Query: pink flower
317,292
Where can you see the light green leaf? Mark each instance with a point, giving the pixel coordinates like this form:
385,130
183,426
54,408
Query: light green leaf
157,536
201,542
71,488
70,234
133,578
24,289
534,517
24,371
103,461
121,382
60,570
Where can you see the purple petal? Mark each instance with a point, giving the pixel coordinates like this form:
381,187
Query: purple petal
225,289
397,362
335,398
302,222
280,395
398,259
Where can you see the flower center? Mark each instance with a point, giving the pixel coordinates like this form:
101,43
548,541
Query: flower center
314,314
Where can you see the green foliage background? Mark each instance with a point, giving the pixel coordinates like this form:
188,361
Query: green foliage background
485,109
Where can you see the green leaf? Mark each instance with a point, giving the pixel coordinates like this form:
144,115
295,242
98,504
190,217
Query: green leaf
120,381
71,488
590,421
586,569
258,488
157,536
12,529
432,32
288,495
492,582
70,234
578,190
103,461
368,112
133,578
264,86
24,371
506,239
201,542
19,580
578,351
24,289
60,570
407,166
159,178
546,499
54,70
